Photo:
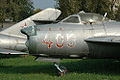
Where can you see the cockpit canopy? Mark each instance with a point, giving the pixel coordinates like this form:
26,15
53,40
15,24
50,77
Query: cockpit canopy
84,18
72,19
90,17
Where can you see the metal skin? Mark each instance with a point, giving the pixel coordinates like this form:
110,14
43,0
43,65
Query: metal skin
41,16
74,40
14,43
12,40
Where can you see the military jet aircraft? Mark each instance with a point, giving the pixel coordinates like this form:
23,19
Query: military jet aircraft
12,40
83,35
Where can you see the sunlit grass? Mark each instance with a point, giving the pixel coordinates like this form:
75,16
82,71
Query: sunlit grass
28,69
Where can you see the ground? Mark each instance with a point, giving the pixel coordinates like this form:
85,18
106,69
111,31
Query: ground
26,68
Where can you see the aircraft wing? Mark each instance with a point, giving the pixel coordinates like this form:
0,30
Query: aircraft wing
104,46
38,22
6,51
49,14
104,39
46,16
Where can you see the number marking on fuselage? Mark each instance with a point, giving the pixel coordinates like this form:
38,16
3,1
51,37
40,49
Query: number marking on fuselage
68,40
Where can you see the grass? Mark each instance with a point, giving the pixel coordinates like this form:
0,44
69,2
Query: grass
28,69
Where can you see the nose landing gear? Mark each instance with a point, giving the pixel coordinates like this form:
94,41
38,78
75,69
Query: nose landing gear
61,70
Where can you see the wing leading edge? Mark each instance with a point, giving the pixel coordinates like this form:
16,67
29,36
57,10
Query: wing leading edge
6,51
104,39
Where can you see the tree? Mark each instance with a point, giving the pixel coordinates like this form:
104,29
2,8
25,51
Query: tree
118,14
36,11
96,6
15,9
3,14
67,7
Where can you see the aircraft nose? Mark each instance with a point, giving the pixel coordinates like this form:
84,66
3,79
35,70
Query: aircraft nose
29,31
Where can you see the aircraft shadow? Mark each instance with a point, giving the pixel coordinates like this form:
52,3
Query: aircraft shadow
33,69
96,66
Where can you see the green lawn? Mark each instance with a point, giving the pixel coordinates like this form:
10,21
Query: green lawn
28,69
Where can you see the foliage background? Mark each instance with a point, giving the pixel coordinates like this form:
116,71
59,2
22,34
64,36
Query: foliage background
68,7
15,9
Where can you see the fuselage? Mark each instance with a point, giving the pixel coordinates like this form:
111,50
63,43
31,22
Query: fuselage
12,43
67,40
12,39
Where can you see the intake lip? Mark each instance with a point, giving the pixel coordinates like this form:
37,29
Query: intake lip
27,43
29,31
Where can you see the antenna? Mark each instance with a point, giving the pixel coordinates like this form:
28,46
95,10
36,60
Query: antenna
104,16
103,22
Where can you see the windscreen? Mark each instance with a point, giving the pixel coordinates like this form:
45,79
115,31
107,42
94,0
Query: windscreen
90,17
72,19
